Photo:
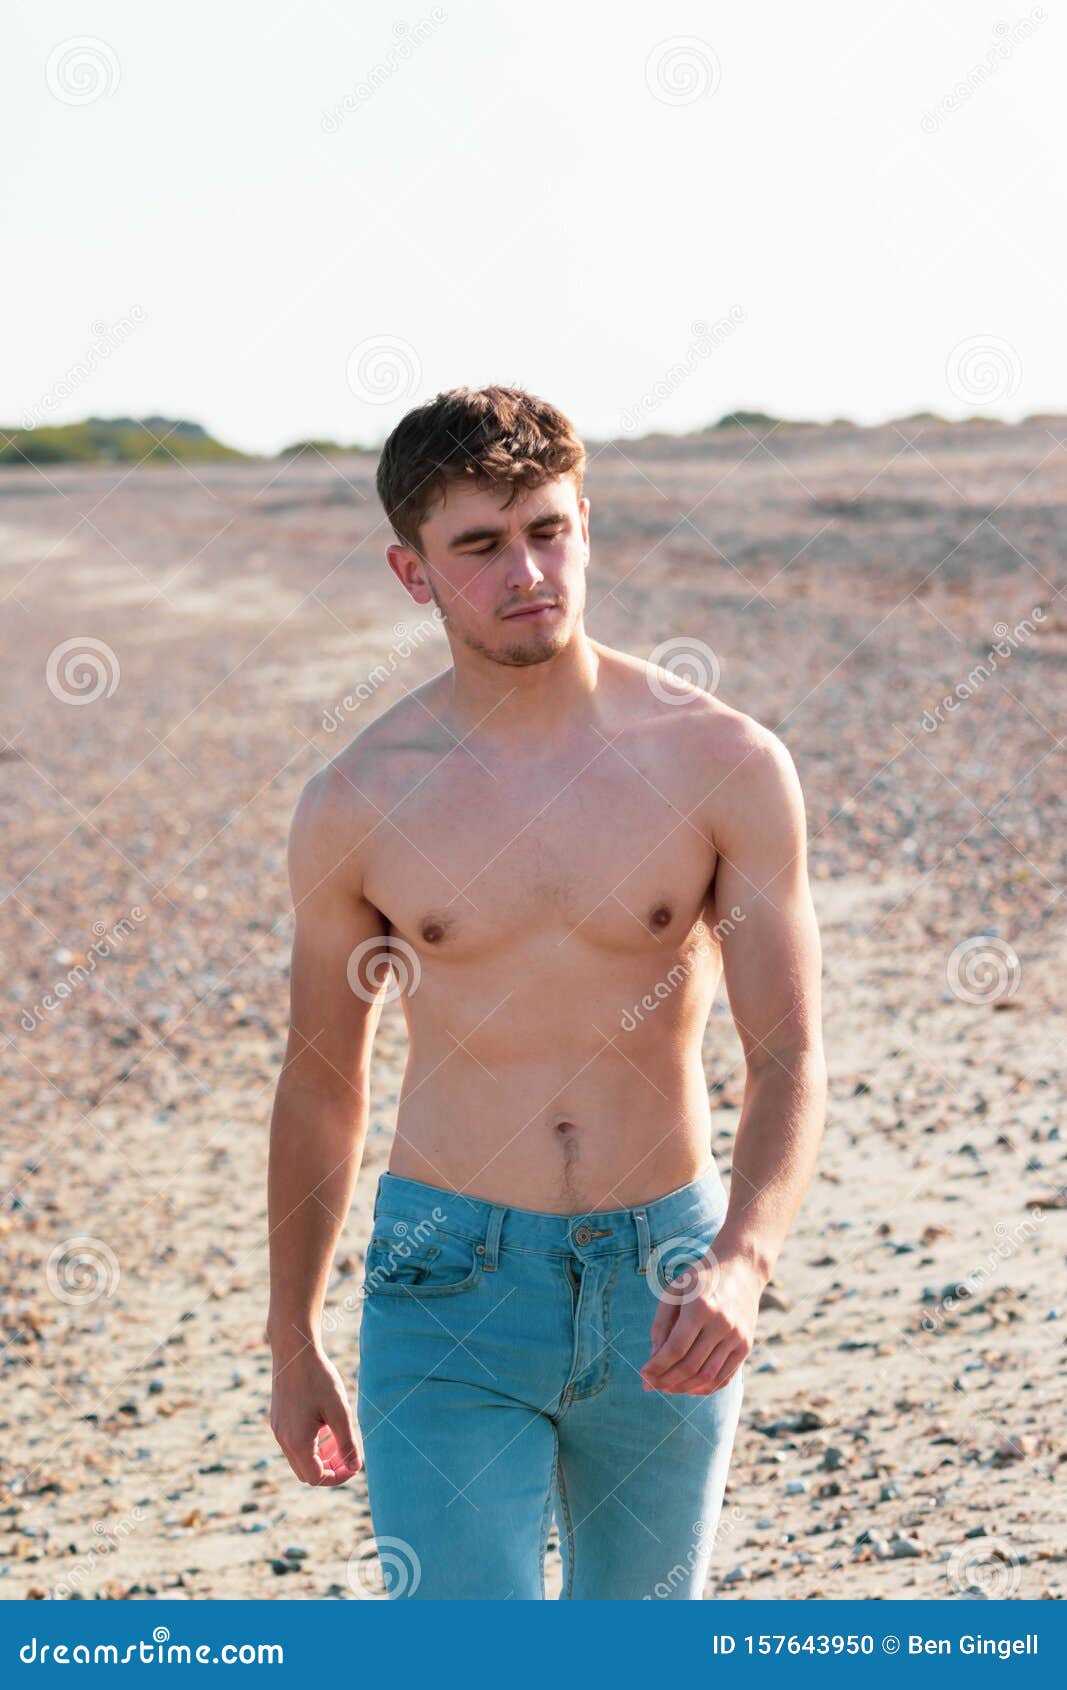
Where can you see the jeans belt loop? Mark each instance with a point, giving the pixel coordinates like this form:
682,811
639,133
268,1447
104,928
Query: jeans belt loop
641,1224
490,1247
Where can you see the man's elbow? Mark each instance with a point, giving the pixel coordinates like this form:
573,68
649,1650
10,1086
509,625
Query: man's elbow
802,1059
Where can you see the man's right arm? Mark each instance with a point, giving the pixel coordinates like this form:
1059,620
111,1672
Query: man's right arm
320,1118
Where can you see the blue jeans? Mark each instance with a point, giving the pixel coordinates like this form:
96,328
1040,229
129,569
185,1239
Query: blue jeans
499,1385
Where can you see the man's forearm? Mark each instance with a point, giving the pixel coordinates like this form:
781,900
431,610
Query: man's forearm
775,1152
316,1145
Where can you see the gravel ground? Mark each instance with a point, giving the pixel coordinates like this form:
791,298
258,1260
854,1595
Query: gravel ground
902,1432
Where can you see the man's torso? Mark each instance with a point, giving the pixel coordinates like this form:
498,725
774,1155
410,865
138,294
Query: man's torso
553,918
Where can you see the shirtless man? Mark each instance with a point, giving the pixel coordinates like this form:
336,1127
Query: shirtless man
551,851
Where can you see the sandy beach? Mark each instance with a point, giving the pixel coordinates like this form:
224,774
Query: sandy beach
185,645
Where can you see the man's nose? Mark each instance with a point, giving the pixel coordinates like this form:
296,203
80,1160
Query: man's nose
522,569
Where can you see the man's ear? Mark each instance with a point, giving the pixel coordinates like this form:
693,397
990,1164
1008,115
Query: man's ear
406,565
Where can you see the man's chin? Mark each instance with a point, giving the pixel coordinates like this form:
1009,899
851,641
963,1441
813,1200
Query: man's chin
535,648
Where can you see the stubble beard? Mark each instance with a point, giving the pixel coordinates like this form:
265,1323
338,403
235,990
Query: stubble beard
518,656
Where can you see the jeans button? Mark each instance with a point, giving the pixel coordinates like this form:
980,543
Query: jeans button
582,1235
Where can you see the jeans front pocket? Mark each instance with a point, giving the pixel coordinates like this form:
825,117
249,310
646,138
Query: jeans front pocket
416,1259
683,1264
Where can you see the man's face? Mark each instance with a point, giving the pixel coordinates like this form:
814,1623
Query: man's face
484,567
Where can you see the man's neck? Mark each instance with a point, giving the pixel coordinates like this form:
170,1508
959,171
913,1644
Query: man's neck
522,707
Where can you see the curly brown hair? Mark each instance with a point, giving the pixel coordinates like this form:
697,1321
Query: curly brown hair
499,435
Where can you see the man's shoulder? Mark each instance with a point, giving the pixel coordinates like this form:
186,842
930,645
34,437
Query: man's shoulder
742,747
354,789
676,692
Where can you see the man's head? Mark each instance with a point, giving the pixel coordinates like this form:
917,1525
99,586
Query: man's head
483,488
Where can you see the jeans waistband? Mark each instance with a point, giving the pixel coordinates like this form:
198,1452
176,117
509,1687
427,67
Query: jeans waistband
600,1232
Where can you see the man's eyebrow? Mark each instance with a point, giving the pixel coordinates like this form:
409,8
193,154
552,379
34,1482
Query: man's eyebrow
469,535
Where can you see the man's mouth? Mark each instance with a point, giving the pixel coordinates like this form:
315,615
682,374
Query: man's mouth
530,610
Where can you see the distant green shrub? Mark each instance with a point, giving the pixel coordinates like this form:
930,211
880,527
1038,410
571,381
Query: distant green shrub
328,448
748,419
114,440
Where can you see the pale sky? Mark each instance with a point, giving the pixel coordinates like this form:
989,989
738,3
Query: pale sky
283,222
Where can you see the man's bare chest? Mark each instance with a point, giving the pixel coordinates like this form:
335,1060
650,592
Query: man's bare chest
599,855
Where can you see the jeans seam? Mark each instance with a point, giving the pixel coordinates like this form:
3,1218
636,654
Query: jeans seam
546,1513
561,1488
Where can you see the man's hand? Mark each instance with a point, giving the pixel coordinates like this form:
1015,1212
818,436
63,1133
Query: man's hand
311,1419
704,1327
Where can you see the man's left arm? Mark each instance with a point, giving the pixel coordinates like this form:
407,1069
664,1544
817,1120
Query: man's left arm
772,965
